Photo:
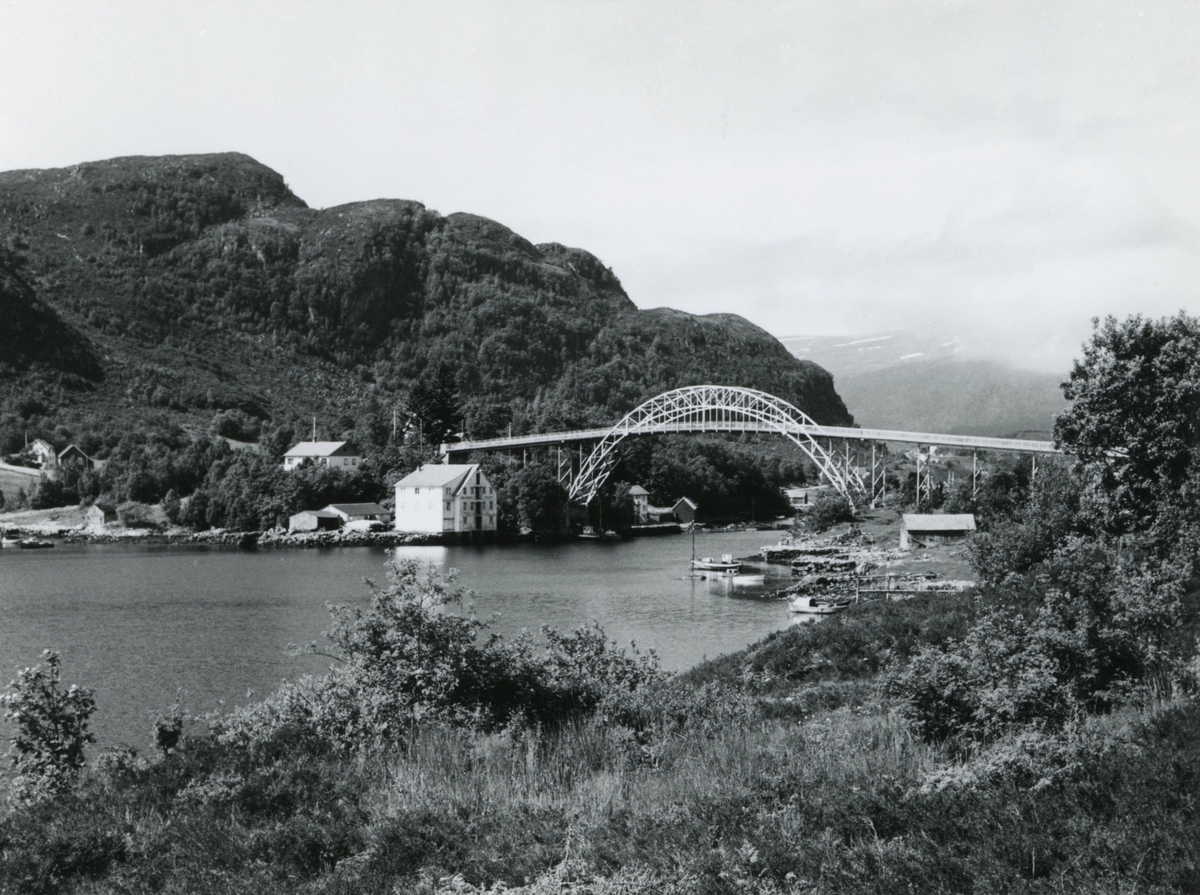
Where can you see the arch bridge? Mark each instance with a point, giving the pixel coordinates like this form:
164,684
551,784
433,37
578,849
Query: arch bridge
835,450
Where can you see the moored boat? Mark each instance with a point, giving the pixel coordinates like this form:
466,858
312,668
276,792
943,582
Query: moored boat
591,533
8,540
726,564
34,544
817,605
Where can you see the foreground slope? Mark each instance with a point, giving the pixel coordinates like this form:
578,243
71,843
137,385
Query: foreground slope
205,284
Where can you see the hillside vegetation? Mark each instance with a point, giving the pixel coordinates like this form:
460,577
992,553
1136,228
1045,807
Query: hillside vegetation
203,284
1038,735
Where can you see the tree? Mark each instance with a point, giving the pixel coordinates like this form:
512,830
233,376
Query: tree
828,509
52,729
1134,425
433,405
541,500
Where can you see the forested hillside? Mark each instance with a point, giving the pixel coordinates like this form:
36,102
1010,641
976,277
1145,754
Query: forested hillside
205,285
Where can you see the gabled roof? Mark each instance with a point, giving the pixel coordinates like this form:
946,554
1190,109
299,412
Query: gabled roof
437,475
44,444
318,449
72,447
320,514
691,503
939,522
639,491
357,509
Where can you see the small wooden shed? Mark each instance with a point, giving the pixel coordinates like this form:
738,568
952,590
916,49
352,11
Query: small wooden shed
685,510
314,520
926,530
99,515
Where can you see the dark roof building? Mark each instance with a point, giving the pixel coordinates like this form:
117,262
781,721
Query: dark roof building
924,530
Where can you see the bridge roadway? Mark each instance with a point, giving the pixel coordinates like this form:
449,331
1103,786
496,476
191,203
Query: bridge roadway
551,439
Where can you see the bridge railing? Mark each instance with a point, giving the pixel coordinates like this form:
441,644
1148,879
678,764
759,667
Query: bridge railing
975,442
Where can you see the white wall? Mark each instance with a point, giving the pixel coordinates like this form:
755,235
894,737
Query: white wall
422,509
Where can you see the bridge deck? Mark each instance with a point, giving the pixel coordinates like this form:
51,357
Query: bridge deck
551,439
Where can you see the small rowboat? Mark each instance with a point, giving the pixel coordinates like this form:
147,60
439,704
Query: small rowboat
817,606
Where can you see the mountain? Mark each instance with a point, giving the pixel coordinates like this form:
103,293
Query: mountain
904,381
33,335
196,284
866,353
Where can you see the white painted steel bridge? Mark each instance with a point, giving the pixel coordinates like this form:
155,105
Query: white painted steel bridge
836,450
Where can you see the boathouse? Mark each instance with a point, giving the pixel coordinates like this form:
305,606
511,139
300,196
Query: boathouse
927,530
359,512
314,520
99,515
685,510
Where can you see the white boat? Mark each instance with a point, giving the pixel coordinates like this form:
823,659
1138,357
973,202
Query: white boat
817,606
590,533
725,565
9,540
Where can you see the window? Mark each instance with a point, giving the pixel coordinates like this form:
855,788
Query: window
416,490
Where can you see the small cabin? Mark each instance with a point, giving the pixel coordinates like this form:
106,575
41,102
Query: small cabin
71,455
928,530
99,515
314,520
800,498
685,510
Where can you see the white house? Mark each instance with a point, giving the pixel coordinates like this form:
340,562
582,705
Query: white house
44,453
337,454
641,504
442,497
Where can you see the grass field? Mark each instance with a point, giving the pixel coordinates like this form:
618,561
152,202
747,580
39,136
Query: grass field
15,478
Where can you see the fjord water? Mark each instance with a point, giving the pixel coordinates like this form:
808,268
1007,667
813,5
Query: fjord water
143,623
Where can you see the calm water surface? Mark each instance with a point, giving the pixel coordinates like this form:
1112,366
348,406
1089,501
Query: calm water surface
140,624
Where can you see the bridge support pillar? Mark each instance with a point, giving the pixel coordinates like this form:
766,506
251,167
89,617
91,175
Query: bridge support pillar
878,474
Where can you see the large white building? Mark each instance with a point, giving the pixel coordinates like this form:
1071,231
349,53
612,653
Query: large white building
443,497
337,454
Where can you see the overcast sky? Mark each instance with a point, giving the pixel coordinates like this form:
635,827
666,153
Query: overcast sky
1001,172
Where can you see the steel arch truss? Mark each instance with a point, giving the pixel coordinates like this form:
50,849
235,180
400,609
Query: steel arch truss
714,408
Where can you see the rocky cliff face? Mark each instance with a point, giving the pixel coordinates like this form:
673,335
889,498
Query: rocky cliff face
206,283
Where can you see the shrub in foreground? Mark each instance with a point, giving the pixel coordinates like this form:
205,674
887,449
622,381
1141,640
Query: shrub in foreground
409,658
51,729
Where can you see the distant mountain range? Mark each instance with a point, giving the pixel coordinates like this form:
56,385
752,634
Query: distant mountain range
899,380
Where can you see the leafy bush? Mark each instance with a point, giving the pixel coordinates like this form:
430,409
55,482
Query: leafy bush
137,515
236,424
828,509
52,729
1100,633
409,658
